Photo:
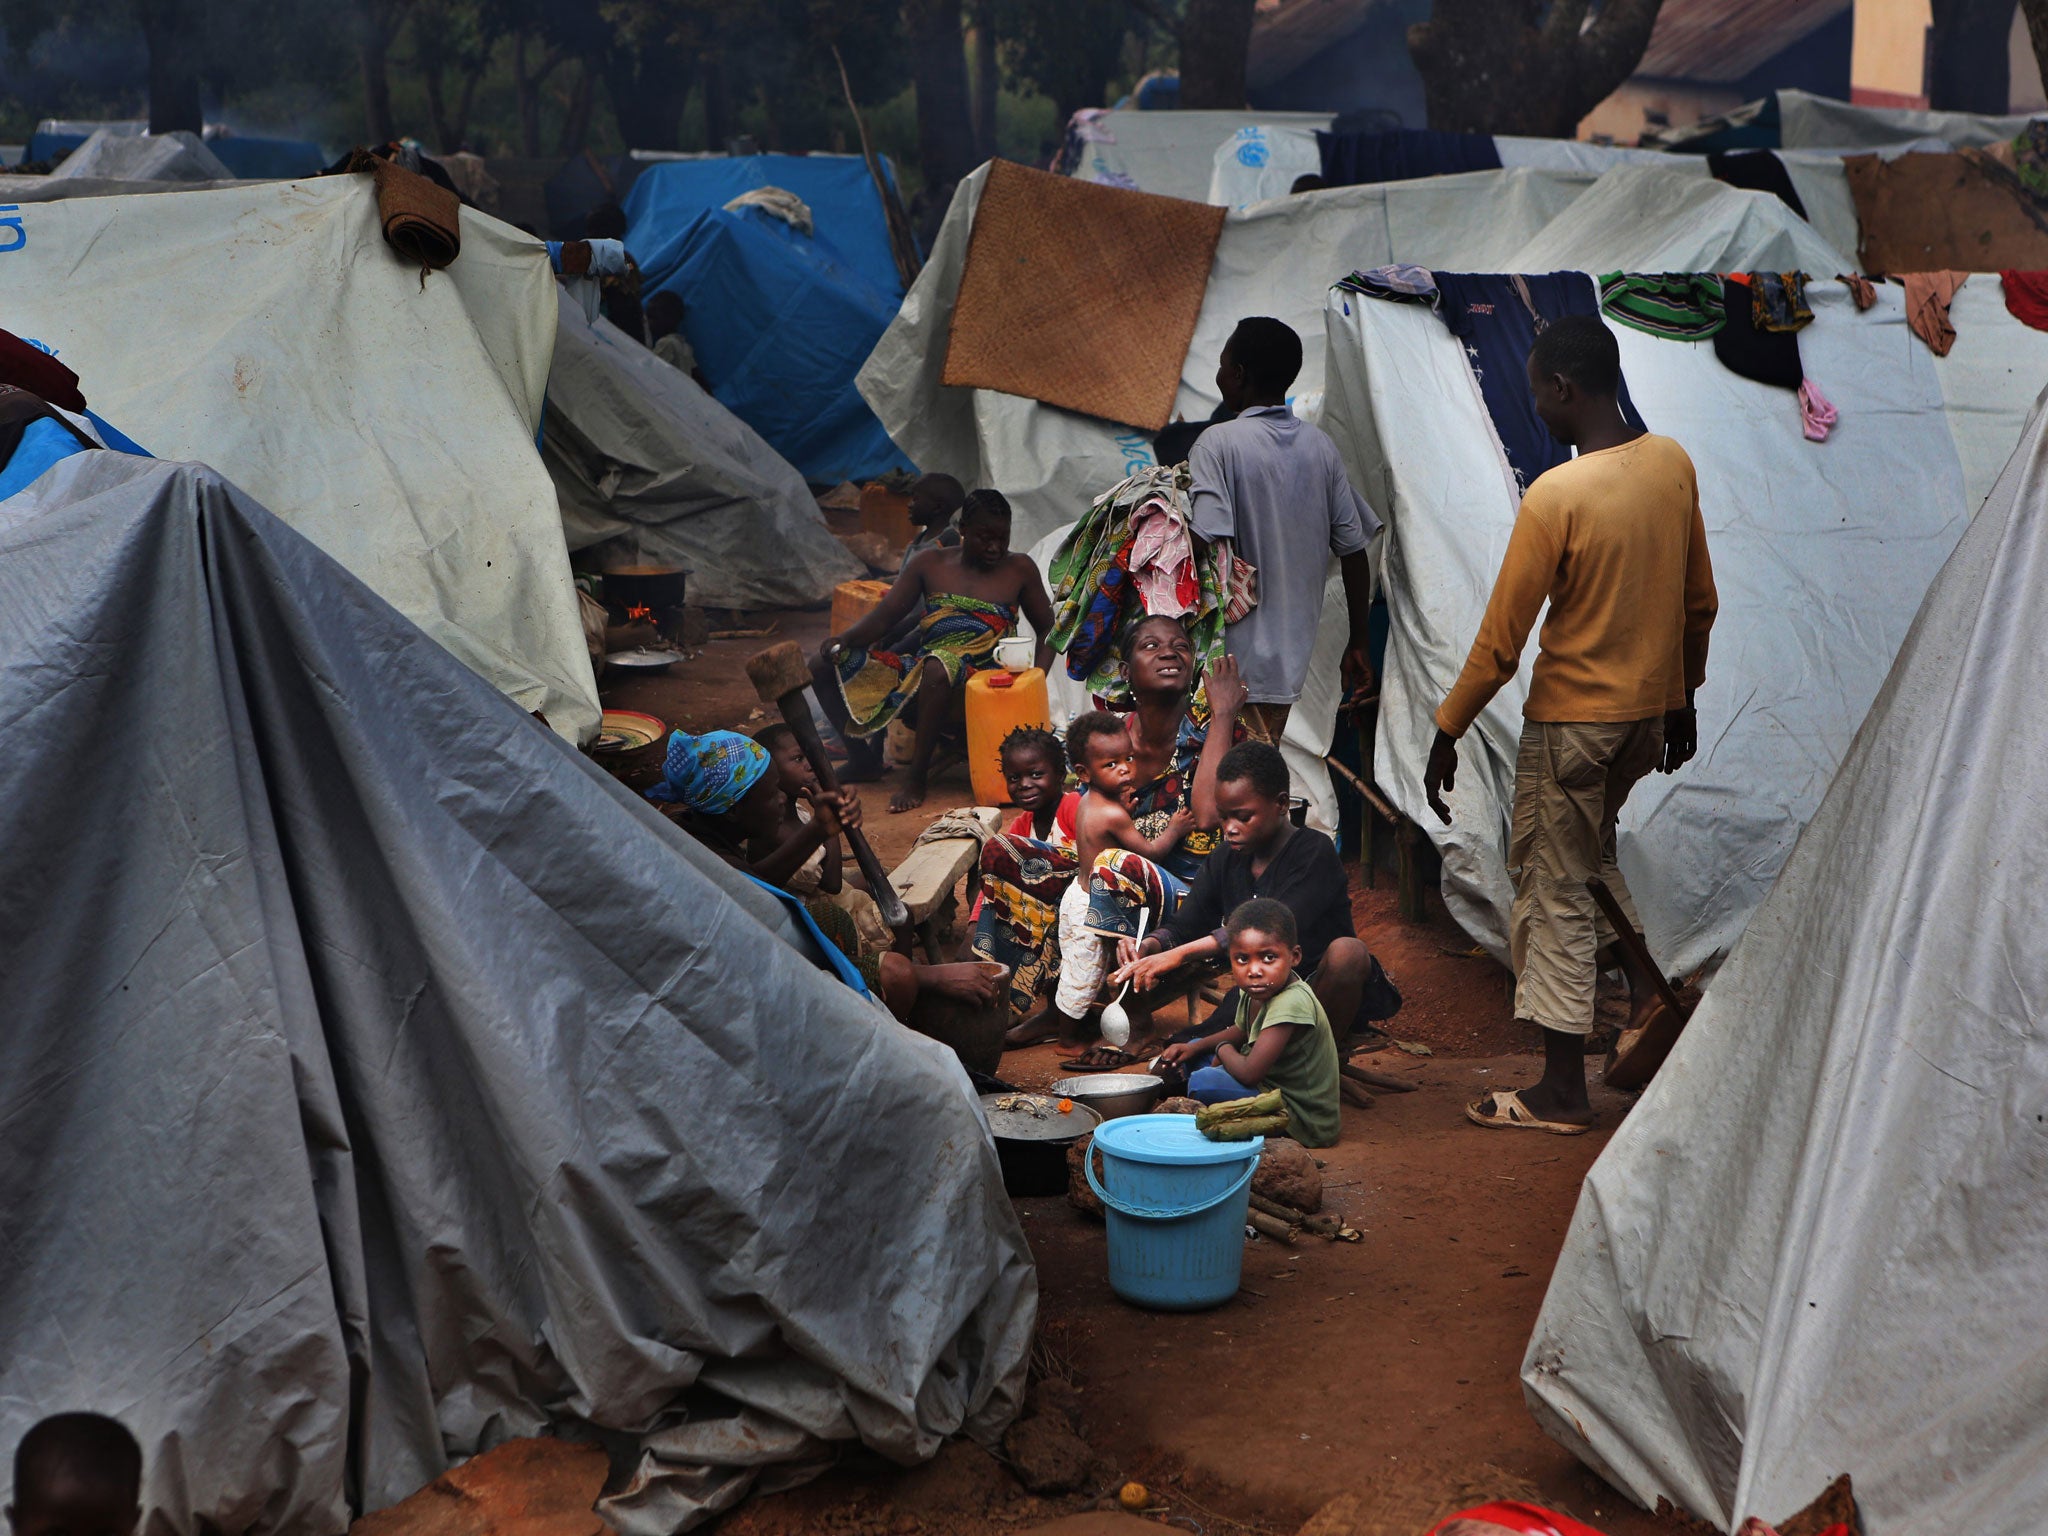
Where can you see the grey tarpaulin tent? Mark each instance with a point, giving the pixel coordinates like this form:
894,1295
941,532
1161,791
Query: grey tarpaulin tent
1816,1245
646,461
380,1080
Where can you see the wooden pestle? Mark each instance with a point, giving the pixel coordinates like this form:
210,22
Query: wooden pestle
782,677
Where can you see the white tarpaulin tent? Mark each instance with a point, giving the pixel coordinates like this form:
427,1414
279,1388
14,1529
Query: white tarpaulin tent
1661,218
1275,259
1171,152
110,155
1262,160
1806,121
382,1080
656,469
1822,552
1816,1245
1278,259
266,329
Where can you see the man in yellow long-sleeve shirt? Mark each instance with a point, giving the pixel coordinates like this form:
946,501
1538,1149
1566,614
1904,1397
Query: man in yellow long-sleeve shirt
1613,540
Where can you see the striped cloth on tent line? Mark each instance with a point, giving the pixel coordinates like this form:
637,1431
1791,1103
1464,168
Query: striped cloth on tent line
1683,306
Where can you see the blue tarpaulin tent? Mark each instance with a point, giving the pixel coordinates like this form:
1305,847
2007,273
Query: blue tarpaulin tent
781,321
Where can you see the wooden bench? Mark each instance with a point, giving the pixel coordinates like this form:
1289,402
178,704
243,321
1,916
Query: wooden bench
927,876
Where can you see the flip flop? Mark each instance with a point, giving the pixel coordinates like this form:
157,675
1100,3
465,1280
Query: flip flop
1640,1052
1511,1114
1102,1058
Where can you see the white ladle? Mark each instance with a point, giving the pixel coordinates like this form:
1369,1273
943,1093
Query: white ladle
1116,1024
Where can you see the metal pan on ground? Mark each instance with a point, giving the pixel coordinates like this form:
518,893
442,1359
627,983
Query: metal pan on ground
1113,1094
642,660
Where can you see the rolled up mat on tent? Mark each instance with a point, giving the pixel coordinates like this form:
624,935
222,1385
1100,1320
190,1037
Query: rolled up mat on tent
422,221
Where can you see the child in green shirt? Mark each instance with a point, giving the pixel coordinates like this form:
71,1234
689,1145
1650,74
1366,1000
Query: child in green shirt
1281,1037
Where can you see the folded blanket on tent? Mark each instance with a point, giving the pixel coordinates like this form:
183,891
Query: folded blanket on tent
422,221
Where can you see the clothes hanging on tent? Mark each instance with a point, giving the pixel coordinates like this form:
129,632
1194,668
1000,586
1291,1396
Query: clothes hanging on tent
1817,414
1778,300
27,366
1403,282
1497,317
1096,598
1928,296
1402,154
1681,306
1861,289
1745,347
1757,171
2026,297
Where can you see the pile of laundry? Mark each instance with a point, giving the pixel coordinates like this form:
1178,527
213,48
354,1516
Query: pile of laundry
1133,554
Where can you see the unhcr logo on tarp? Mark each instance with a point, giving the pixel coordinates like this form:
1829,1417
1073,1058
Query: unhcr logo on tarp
12,235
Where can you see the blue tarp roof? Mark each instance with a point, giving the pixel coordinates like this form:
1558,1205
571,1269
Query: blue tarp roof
846,210
251,159
781,321
780,326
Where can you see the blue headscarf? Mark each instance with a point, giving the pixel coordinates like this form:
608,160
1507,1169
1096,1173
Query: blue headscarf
710,773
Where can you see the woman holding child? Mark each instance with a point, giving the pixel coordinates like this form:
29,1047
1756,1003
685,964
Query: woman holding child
1151,825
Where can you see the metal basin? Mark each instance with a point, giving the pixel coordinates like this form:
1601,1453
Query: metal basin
1113,1094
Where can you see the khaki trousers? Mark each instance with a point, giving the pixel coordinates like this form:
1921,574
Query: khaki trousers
1266,722
1570,783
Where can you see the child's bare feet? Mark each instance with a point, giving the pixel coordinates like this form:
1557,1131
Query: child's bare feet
909,797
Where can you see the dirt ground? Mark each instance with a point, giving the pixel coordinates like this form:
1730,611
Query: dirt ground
1337,1362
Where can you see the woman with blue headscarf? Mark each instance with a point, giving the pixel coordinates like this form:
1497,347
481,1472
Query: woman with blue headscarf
730,792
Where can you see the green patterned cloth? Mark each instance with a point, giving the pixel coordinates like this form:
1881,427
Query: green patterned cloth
1683,306
1094,602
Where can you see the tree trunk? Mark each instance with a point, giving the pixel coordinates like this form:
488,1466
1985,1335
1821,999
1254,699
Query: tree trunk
377,23
1969,68
648,88
1488,67
437,108
374,54
717,110
1215,36
987,83
2036,12
526,89
172,32
576,121
938,66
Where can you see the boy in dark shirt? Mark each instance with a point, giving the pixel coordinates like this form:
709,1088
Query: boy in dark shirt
1265,855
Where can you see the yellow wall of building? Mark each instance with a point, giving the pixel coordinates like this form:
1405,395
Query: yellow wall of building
1889,53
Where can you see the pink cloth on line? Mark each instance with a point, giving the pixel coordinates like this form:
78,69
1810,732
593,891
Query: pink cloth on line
1163,559
1817,416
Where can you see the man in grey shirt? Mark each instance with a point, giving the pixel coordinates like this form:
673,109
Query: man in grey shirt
1276,486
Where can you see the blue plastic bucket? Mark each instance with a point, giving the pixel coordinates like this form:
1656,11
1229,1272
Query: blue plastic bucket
1175,1203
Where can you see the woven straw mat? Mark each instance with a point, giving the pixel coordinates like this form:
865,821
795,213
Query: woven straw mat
1080,295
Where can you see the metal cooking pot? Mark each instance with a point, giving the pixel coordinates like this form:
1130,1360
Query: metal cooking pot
1113,1094
1033,1147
